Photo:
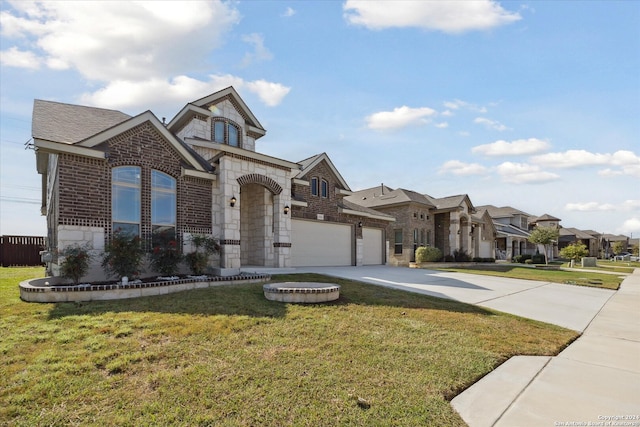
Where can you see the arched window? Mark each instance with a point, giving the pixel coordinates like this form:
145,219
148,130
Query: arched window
314,186
163,207
324,188
225,132
125,199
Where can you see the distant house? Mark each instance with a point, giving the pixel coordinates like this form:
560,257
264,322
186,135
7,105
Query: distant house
449,224
512,231
105,171
570,235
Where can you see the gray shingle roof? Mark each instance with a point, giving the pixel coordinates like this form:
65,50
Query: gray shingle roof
67,123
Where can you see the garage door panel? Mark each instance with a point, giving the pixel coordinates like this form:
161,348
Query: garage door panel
372,246
320,244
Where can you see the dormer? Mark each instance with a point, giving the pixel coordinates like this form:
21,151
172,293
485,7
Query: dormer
221,118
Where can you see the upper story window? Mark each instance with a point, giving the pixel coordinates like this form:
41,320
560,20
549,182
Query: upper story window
324,188
314,186
125,199
225,132
163,207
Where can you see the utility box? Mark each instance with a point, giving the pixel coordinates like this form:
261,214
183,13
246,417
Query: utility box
589,261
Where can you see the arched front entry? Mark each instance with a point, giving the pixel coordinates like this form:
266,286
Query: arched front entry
259,220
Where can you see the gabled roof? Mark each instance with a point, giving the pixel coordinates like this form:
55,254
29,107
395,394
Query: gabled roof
503,212
579,234
545,217
200,107
187,154
308,164
451,202
380,196
68,124
355,209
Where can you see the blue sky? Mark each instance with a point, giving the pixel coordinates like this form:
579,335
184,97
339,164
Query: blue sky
531,104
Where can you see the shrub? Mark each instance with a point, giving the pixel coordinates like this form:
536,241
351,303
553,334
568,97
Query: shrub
574,251
205,246
123,255
449,258
521,258
165,254
76,262
461,256
428,254
538,259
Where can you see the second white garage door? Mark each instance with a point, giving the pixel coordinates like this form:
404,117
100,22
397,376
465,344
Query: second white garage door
372,246
315,243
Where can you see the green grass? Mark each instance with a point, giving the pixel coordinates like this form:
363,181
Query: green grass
582,278
613,266
226,356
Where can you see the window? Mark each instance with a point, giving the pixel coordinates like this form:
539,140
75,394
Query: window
422,242
226,133
398,242
163,207
325,189
125,199
314,186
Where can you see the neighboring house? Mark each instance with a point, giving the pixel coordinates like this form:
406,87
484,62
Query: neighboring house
512,231
469,231
103,171
569,235
448,224
326,228
607,241
548,221
414,224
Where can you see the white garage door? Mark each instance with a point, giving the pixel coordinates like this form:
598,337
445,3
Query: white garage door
320,244
372,246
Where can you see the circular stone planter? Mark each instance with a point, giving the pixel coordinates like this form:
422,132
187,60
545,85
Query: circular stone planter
301,292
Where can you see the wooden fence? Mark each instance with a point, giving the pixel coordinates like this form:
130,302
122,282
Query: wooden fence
20,250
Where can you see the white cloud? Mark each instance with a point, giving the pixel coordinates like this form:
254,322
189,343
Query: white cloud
442,125
589,207
514,148
139,52
13,57
289,12
270,93
138,40
522,173
446,16
457,104
630,226
399,117
134,96
490,124
627,160
459,168
627,205
260,52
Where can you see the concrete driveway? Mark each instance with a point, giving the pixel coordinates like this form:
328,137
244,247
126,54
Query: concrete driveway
569,306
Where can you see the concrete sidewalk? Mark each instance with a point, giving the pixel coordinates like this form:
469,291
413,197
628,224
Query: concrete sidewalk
594,381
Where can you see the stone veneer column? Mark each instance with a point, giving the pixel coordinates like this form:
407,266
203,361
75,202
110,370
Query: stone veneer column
229,219
282,230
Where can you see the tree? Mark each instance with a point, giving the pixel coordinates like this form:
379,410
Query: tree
574,251
546,236
618,247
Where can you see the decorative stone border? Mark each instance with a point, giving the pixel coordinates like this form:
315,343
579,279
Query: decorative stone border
36,290
301,292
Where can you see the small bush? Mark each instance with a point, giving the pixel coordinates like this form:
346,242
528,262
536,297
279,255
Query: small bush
198,260
449,258
123,255
428,254
165,254
76,262
485,260
461,256
521,258
538,259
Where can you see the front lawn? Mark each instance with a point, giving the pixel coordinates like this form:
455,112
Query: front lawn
226,356
583,278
